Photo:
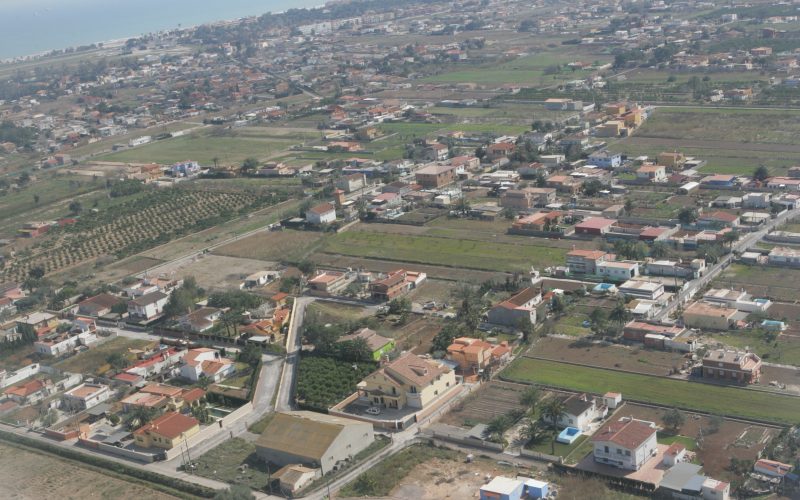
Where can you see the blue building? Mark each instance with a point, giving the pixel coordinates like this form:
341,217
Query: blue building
605,159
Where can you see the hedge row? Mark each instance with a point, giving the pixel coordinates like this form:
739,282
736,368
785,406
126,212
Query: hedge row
117,467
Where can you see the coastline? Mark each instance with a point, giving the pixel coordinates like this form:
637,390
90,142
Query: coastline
117,42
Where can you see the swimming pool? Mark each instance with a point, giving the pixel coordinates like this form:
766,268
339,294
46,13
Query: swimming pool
569,435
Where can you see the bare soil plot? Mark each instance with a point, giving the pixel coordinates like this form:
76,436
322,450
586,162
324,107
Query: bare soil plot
491,400
734,439
639,360
27,474
93,361
417,335
772,282
216,272
273,245
433,290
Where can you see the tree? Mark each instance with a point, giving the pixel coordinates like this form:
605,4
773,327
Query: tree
444,338
620,313
75,207
557,304
497,427
551,412
533,432
629,206
659,250
673,419
36,199
397,306
714,424
761,173
50,417
688,215
249,164
117,360
525,325
36,273
530,396
730,238
592,187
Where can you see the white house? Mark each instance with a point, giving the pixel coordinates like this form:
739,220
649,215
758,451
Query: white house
324,213
205,361
620,271
580,411
85,396
148,306
510,312
625,444
64,343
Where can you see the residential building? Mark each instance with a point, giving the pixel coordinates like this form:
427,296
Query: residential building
718,181
293,477
99,305
618,271
626,443
167,431
647,290
718,219
324,213
475,355
30,392
435,176
580,410
39,323
515,310
605,159
736,299
205,363
390,287
200,320
679,269
409,381
710,317
594,226
505,488
586,261
539,222
772,468
328,281
313,439
378,344
784,257
351,182
652,173
63,343
85,396
527,198
673,161
185,169
684,481
736,366
260,278
148,306
563,183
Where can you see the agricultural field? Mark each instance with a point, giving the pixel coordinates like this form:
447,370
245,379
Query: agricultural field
274,246
671,392
229,147
406,131
490,401
732,440
323,382
648,362
732,141
131,227
216,272
443,251
22,470
94,362
331,312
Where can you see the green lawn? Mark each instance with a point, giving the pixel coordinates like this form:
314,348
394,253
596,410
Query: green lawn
689,443
691,395
203,147
561,449
778,349
409,130
444,251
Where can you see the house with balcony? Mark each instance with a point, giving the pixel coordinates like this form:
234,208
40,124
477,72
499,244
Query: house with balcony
518,308
475,355
147,307
409,381
586,261
735,366
626,443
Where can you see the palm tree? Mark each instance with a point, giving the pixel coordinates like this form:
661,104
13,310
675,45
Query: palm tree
552,411
620,313
532,431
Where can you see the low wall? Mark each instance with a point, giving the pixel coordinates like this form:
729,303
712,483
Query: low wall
466,441
540,456
62,436
115,450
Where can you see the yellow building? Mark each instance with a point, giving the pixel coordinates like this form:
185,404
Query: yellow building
611,128
709,317
167,431
673,161
408,381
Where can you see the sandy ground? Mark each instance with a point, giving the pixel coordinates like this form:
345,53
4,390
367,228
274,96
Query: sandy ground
438,479
217,272
28,475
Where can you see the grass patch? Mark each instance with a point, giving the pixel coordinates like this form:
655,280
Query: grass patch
689,443
714,399
223,463
772,348
381,479
324,313
561,449
261,424
443,251
93,361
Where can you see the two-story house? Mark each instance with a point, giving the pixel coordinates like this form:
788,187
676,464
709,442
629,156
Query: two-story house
736,366
148,306
625,444
409,381
324,213
513,311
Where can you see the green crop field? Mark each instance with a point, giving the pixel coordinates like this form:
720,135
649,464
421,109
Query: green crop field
444,251
715,399
203,148
408,130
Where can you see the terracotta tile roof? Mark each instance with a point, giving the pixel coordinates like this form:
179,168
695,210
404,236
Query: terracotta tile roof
628,434
162,390
414,369
26,389
170,425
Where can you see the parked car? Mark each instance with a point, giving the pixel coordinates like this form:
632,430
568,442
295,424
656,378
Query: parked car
374,410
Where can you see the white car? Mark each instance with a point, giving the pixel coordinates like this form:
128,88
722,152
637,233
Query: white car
374,410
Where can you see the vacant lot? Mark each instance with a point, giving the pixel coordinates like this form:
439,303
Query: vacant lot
607,356
734,439
772,282
711,398
217,272
234,461
334,312
93,361
491,400
30,475
286,245
782,349
443,251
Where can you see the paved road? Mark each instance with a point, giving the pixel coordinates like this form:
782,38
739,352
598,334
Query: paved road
745,242
288,377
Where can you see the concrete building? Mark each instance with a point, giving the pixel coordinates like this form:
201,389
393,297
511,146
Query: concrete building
585,261
167,431
516,309
435,176
736,366
147,306
648,290
409,381
312,439
618,271
711,317
324,213
625,444
85,396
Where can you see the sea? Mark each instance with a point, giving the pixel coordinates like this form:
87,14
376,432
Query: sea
29,27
